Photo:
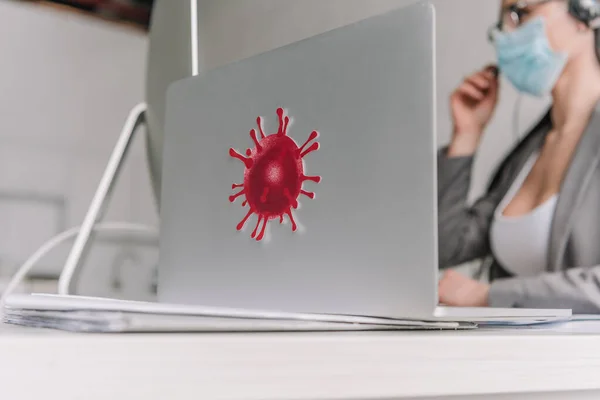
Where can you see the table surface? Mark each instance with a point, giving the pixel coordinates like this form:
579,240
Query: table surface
351,365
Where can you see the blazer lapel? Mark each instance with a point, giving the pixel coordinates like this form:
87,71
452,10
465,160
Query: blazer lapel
576,181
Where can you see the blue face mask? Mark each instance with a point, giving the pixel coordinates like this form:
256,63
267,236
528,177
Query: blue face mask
526,59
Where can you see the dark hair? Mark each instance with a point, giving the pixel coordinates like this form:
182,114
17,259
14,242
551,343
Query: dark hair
588,12
597,43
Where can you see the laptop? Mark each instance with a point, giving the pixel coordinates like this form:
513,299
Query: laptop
303,179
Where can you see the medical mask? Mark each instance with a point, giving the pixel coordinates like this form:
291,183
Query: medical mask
526,59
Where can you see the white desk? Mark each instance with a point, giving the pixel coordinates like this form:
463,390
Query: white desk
470,365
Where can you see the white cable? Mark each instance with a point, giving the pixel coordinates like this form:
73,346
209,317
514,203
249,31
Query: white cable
516,116
63,237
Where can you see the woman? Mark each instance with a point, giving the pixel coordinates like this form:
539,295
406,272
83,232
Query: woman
539,220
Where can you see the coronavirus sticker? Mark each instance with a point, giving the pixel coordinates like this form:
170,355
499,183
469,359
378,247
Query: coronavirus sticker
273,175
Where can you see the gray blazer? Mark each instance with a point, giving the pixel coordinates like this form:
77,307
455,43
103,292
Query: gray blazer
572,277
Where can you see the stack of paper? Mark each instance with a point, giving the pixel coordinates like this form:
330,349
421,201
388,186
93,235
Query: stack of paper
88,314
579,323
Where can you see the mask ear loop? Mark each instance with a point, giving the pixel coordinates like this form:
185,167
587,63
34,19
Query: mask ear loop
516,117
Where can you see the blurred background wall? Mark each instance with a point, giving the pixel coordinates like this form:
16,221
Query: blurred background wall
68,80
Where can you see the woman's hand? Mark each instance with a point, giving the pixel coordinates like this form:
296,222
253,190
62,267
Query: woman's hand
472,105
458,290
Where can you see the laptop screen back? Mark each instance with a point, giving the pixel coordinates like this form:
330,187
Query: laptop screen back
322,153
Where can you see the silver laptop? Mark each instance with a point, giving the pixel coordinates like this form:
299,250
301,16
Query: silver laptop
304,179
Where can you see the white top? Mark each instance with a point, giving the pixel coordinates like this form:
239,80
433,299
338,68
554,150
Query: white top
525,364
520,244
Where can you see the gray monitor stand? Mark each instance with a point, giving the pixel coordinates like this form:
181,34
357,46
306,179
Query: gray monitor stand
69,274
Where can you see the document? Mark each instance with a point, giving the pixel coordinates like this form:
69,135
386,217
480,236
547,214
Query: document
90,314
575,324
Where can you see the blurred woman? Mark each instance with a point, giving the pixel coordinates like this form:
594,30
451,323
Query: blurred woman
539,221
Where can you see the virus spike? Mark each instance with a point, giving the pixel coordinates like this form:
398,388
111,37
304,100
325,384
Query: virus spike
292,201
263,197
235,196
235,186
285,126
247,161
243,222
312,136
313,147
253,136
281,219
261,235
308,194
289,213
260,126
280,131
260,217
248,152
311,178
244,203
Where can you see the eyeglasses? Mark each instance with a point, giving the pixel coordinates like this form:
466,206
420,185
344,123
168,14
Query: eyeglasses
512,16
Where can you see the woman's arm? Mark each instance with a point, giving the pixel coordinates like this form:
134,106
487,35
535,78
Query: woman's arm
462,228
576,288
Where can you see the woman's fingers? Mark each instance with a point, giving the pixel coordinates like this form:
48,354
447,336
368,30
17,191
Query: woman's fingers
470,91
480,81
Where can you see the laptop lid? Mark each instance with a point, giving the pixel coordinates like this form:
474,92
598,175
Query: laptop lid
304,179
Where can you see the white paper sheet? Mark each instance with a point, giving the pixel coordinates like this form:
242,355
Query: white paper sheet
85,314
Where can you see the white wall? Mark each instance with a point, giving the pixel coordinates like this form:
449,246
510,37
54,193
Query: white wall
67,82
234,29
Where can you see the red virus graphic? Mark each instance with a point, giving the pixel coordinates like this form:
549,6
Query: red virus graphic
273,175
